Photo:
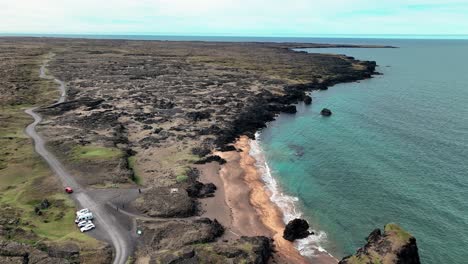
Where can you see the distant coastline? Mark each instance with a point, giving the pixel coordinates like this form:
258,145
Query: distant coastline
239,38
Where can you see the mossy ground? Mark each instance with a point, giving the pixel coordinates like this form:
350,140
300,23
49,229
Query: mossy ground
132,165
25,180
398,234
90,152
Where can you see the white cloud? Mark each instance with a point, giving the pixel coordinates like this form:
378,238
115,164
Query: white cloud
260,17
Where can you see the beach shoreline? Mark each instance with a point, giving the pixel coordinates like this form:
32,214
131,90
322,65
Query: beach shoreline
244,196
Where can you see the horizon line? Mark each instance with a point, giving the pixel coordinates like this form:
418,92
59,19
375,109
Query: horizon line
148,34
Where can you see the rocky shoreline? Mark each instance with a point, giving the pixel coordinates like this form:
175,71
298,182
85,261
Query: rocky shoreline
266,106
147,115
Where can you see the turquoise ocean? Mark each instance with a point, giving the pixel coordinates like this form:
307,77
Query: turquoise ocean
394,150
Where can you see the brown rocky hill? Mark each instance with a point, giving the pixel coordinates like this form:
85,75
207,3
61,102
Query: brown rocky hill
394,246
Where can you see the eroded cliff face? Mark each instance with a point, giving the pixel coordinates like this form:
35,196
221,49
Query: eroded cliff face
394,246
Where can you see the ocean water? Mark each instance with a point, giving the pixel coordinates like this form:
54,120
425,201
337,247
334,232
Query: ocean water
394,150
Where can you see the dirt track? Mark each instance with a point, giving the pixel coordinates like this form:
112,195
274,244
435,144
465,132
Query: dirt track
112,227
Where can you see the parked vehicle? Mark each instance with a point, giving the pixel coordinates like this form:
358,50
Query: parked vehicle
82,211
84,223
68,190
84,217
87,227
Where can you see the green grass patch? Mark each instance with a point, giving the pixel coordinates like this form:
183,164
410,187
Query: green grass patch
176,160
132,165
400,233
181,178
95,152
25,180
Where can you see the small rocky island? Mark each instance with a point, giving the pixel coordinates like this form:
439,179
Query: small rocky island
326,112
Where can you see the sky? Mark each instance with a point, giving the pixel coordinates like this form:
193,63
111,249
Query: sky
235,17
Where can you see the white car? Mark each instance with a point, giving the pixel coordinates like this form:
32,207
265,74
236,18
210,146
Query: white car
84,223
82,211
87,227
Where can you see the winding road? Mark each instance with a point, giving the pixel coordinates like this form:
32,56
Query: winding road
106,223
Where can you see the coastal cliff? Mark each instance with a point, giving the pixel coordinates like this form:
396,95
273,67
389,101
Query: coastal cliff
141,115
393,246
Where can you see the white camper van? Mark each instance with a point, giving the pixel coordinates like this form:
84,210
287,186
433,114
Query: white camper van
82,211
84,217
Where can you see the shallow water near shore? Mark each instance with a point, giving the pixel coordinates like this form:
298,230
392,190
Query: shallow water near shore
394,150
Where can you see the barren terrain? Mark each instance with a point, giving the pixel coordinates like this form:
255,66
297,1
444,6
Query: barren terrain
139,115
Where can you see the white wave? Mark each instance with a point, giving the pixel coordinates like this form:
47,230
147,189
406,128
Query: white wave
309,246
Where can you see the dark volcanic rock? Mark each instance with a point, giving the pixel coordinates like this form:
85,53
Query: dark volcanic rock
13,252
176,234
326,112
228,148
211,159
394,244
290,109
166,202
67,251
197,116
296,229
308,100
249,250
200,190
90,103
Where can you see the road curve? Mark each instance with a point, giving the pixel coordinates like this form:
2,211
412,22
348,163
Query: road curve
116,234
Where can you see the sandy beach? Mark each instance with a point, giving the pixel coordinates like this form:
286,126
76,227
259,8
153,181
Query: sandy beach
242,203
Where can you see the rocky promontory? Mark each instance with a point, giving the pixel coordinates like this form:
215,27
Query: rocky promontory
393,246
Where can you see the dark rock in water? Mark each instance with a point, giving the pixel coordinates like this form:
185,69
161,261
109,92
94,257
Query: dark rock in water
307,100
394,244
326,112
298,150
290,109
296,229
323,87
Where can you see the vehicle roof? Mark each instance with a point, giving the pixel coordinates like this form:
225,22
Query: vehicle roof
85,215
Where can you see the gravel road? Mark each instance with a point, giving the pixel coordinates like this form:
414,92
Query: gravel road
108,225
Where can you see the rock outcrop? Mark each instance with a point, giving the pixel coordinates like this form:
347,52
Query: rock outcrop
14,252
166,202
176,234
201,190
249,250
394,246
296,229
326,112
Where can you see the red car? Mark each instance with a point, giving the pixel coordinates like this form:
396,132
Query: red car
68,190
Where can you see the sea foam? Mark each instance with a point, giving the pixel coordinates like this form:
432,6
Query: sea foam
309,246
